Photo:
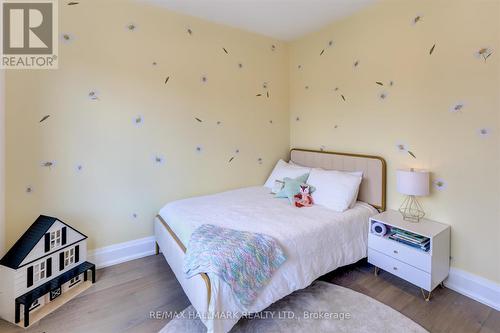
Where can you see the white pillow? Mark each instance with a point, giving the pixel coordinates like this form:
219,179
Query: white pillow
282,170
335,190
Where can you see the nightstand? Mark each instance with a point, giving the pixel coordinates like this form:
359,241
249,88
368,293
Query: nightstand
423,266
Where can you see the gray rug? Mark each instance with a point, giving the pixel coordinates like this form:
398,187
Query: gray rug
349,312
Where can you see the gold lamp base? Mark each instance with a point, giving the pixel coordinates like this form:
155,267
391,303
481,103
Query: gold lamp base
411,209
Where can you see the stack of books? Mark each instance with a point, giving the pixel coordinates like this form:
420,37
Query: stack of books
409,238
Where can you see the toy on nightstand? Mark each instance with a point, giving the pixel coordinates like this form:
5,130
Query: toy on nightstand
43,270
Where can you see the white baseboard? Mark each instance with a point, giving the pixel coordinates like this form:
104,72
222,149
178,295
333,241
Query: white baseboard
475,287
122,252
470,285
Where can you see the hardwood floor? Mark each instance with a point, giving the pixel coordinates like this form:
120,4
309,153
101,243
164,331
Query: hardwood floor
124,295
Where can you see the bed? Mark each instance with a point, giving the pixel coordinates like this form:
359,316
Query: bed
317,240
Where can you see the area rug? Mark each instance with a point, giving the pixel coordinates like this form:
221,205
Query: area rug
322,307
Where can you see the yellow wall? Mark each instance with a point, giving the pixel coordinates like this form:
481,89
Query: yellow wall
2,162
119,177
416,111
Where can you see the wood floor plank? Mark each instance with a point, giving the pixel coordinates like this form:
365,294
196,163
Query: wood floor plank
125,294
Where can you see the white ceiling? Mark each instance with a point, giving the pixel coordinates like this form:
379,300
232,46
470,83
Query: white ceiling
281,19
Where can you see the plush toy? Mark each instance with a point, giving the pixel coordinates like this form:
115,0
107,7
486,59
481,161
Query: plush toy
303,198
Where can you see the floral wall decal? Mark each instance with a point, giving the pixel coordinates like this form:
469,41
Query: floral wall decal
189,31
67,38
199,149
29,189
154,63
204,79
44,118
138,120
383,95
93,95
439,184
457,107
273,47
158,159
355,64
79,167
131,27
48,164
403,148
418,18
483,132
483,53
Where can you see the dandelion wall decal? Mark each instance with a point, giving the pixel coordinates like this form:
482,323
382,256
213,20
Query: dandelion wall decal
79,168
483,53
93,95
225,51
299,67
259,160
335,126
417,19
189,31
343,97
154,63
483,132
134,216
29,189
219,123
330,43
258,95
306,87
240,65
73,3
138,120
322,51
432,49
231,159
391,83
273,47
401,147
48,164
67,38
383,95
264,85
236,151
131,27
199,149
457,107
44,118
204,79
198,120
297,119
439,184
158,159
379,83
166,79
355,64
270,121
267,94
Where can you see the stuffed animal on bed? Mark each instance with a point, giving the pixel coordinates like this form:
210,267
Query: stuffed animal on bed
304,197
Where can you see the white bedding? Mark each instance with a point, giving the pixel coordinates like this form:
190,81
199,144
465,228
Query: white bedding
316,240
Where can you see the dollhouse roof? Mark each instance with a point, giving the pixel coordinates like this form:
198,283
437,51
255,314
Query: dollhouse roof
15,256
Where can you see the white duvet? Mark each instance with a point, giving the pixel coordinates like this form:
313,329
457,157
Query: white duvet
316,241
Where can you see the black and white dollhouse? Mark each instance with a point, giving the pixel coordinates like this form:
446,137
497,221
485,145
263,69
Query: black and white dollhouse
43,270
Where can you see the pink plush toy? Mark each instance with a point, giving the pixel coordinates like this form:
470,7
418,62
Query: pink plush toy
304,198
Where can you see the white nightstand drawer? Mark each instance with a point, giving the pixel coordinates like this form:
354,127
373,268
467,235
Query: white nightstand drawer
398,268
404,253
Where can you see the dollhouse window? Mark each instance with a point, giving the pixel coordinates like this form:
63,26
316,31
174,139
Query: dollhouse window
39,271
55,238
74,281
69,257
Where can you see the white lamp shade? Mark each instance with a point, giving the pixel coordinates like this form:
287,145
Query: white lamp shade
413,182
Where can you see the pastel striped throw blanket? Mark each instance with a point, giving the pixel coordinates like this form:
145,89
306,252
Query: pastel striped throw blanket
244,260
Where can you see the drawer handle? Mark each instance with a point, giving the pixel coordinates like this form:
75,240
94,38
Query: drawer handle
395,251
395,268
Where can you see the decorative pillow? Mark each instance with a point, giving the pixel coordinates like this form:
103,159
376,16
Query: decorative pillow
335,190
282,170
292,187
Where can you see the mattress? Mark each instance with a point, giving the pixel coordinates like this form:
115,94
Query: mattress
315,239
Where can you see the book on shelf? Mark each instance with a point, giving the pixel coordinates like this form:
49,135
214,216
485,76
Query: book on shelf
422,246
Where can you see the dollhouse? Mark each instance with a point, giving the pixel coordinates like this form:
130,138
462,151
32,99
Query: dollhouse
43,270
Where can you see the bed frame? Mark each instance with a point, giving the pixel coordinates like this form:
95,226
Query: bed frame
372,191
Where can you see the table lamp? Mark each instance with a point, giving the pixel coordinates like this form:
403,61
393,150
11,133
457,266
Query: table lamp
413,183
